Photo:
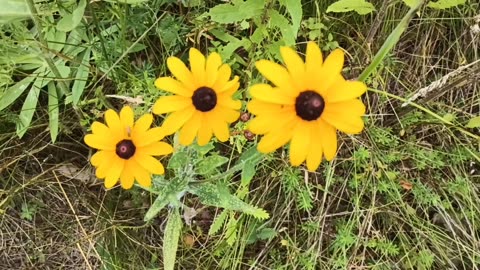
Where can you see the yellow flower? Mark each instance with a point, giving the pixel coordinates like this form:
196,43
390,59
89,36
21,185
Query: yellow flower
126,149
202,103
309,102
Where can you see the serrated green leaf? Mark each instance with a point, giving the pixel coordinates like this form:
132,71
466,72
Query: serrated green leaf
170,239
166,194
362,7
52,111
218,223
81,77
231,232
14,91
236,11
70,21
14,10
219,196
474,122
294,8
444,4
279,21
209,164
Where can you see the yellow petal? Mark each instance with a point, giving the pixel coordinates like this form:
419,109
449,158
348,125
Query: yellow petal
313,67
219,126
259,107
345,116
229,86
170,104
113,122
100,142
190,129
157,149
328,139
265,92
227,101
205,132
315,152
229,115
213,63
142,176
99,157
197,64
181,72
126,117
100,129
141,126
265,123
275,139
224,73
295,66
176,120
114,172
345,90
173,86
331,68
300,143
105,164
275,73
127,177
148,137
150,163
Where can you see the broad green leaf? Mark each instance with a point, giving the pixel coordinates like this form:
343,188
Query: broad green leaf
217,223
362,7
55,39
167,194
252,155
14,91
444,4
52,111
81,77
411,3
130,2
236,11
208,164
279,21
248,172
474,122
13,10
29,105
170,239
294,8
178,160
70,21
219,196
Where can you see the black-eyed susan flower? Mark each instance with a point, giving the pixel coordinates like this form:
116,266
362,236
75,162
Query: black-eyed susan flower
126,149
309,102
202,104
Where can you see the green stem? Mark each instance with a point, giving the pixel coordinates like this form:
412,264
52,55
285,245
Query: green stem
391,41
41,38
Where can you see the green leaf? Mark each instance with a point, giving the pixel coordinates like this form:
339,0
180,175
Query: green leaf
178,160
237,11
231,232
294,8
209,164
362,7
411,3
248,172
444,4
217,223
170,239
130,2
474,122
81,77
279,21
70,21
14,10
14,91
219,196
167,194
52,111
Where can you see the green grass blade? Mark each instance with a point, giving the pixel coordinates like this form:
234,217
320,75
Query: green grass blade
391,41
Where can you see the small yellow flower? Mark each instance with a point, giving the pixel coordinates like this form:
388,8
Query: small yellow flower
126,149
309,102
202,103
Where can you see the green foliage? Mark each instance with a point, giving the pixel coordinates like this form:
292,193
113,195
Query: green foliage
473,122
362,7
14,10
236,11
444,4
28,211
170,241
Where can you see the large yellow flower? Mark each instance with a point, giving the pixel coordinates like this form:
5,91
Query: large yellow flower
309,102
202,103
126,149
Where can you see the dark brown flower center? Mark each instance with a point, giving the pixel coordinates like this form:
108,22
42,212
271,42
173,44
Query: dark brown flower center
125,149
309,105
204,99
